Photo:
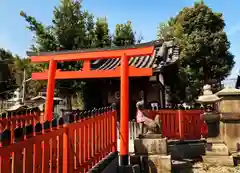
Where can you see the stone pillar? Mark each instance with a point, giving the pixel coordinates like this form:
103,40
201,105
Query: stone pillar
229,108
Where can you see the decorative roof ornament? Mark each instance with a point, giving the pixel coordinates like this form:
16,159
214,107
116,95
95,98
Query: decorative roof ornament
208,96
167,53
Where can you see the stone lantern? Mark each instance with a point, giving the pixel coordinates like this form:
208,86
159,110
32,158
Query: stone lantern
229,108
216,151
210,115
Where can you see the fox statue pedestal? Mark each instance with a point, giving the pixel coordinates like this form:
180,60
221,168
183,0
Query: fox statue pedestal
151,154
150,148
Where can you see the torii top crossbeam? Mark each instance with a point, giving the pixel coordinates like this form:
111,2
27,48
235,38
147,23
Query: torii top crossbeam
93,54
124,72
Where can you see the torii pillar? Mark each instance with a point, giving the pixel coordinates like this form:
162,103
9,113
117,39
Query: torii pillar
50,90
124,111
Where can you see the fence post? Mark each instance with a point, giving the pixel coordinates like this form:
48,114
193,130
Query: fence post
114,130
181,124
66,150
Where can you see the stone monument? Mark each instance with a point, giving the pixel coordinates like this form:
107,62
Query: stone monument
150,148
216,151
229,107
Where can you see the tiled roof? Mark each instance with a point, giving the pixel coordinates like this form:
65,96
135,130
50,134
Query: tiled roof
139,62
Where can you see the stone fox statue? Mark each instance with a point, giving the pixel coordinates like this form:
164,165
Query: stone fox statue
153,126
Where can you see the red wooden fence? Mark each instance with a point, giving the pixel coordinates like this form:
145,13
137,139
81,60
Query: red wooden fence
181,124
56,148
12,122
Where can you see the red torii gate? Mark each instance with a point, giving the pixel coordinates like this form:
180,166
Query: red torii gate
124,72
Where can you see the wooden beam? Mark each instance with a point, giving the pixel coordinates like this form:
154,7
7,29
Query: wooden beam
133,72
129,52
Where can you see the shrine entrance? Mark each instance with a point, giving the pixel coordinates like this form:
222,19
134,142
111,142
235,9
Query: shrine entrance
124,71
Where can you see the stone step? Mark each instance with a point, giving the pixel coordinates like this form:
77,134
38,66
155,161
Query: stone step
154,163
129,169
150,146
219,160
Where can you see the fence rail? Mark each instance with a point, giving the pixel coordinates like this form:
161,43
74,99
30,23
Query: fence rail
57,147
176,124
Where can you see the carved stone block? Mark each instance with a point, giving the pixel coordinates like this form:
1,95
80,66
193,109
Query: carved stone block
219,160
150,146
157,164
216,149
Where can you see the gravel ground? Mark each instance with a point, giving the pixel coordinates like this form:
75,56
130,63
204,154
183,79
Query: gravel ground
204,168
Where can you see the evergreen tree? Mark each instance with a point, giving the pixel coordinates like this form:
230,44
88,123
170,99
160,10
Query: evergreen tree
204,48
72,29
103,38
124,35
7,78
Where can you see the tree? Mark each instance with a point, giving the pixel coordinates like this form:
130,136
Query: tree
23,64
7,79
103,38
66,33
124,35
72,29
166,30
204,48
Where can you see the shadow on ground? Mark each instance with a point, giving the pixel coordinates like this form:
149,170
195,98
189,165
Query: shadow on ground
183,166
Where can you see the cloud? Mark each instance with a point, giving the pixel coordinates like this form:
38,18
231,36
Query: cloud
233,30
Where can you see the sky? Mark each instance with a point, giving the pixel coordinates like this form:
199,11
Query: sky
144,14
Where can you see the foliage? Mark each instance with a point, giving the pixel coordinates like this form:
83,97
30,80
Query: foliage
7,79
124,35
166,30
32,87
102,35
204,48
71,29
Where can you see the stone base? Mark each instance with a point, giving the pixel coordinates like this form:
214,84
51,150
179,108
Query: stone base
237,155
148,146
157,164
189,150
129,169
152,163
135,159
216,149
150,136
219,160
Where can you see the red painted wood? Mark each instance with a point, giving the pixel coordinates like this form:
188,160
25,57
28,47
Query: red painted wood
87,74
67,149
124,106
180,124
50,90
100,54
54,155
